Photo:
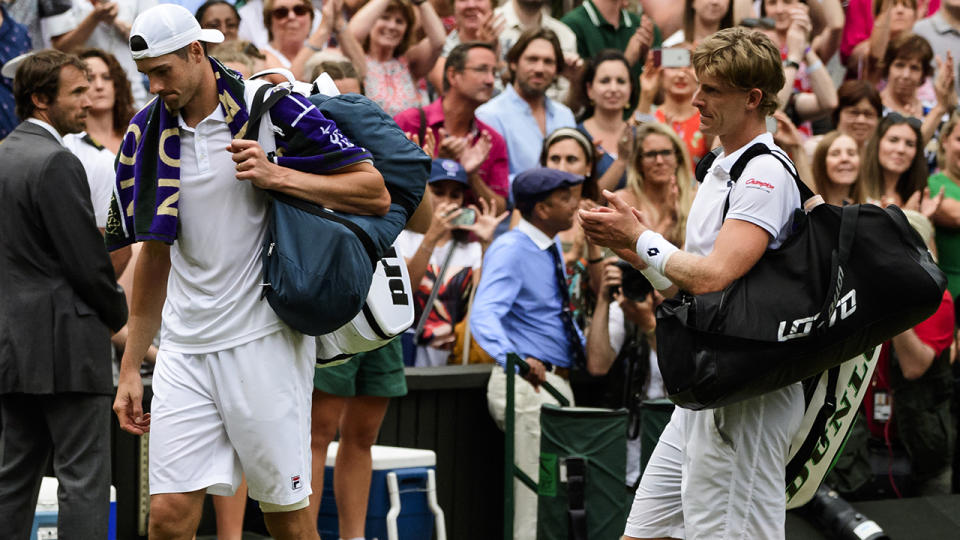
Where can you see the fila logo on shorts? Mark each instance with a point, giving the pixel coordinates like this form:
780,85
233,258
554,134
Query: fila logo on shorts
295,483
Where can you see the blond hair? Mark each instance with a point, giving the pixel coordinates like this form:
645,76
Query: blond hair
685,181
742,59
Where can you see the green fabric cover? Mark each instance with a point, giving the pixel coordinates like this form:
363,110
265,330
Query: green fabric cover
600,437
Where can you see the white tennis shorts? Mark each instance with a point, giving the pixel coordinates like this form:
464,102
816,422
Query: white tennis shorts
719,473
216,416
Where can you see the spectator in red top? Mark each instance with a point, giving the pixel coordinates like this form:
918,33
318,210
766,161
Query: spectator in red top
460,135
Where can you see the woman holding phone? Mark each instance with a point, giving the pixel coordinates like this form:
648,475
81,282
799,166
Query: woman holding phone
445,257
674,82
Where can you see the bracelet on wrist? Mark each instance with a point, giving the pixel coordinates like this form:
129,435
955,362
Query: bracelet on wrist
312,47
595,261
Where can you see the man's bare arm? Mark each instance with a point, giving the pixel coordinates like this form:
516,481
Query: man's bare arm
356,189
149,293
738,247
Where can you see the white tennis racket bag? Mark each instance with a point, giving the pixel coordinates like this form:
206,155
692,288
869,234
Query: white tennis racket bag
386,314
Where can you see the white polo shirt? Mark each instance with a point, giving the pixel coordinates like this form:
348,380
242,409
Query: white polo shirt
765,195
213,292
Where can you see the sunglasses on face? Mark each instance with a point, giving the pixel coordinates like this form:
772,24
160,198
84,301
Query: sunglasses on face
282,12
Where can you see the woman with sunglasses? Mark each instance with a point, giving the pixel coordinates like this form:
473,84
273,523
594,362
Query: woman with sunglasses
289,24
659,181
396,62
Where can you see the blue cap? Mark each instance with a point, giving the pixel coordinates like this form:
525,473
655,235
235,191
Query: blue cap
447,169
534,185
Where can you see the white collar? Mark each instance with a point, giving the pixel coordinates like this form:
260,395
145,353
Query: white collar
47,127
539,238
215,116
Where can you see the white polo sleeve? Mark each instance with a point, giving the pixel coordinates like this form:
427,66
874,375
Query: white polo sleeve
765,195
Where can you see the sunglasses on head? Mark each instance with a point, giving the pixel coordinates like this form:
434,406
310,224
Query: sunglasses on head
897,118
298,10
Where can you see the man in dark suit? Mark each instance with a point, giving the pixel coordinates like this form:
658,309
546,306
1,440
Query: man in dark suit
59,302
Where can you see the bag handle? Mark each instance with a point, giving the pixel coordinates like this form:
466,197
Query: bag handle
261,106
849,217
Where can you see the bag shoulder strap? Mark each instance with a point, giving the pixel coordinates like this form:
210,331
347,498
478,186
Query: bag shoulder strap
260,106
703,166
756,150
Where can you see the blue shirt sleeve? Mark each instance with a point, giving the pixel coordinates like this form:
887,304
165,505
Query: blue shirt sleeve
499,286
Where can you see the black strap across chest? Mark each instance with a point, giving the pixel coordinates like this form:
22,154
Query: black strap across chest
756,150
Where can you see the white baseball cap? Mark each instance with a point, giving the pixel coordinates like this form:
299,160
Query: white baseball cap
166,28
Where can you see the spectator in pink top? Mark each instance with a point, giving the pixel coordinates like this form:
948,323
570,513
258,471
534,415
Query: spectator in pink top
467,83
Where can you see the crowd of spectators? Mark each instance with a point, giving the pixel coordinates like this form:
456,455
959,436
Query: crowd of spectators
868,113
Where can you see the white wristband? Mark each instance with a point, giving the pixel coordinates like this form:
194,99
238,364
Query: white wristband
655,250
658,280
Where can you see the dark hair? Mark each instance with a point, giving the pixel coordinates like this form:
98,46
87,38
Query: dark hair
39,75
852,92
457,58
590,189
689,15
871,174
268,14
590,73
527,37
123,108
909,46
406,10
201,11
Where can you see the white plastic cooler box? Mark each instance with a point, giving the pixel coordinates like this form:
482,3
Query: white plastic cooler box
45,518
403,496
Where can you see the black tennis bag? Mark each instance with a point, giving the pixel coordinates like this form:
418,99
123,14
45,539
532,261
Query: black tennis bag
846,280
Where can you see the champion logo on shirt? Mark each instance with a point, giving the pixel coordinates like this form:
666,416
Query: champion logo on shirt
295,483
753,183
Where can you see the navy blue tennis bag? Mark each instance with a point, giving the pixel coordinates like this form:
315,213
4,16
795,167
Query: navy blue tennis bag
318,264
846,280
